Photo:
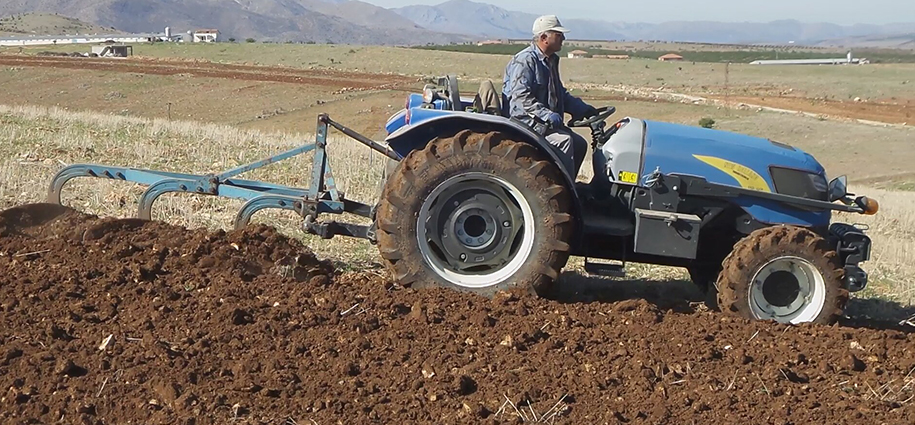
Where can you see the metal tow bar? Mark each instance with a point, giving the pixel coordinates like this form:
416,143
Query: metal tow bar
321,197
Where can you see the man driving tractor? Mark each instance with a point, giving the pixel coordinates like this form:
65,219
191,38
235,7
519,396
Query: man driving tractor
532,92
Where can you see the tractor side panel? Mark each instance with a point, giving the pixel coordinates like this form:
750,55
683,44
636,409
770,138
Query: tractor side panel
620,159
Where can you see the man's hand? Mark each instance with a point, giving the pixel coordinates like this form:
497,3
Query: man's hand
590,111
555,120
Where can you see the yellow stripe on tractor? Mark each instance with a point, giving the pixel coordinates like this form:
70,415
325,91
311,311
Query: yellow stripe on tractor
745,176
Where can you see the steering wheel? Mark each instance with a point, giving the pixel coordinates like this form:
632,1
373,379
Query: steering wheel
602,114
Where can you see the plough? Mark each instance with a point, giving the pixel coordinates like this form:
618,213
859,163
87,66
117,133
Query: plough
322,196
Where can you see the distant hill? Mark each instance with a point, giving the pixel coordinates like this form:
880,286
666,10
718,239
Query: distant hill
276,20
775,32
484,20
358,22
47,23
488,21
893,41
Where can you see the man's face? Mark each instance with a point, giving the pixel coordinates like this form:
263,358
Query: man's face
552,40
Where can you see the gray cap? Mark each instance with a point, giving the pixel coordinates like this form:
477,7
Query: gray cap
548,23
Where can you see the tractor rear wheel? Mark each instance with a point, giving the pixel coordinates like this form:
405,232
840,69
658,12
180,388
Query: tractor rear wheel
476,212
785,273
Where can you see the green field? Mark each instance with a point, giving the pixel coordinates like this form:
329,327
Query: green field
740,56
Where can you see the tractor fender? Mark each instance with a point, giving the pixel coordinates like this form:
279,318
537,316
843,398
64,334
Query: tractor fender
416,136
774,213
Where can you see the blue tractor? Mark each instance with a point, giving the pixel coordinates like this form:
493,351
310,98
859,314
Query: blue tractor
482,203
478,202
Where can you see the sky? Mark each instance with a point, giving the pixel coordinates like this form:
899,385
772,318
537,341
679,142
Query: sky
842,12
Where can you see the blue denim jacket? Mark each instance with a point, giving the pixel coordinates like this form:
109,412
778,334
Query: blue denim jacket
526,88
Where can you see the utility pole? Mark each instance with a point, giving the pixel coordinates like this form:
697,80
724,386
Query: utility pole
727,89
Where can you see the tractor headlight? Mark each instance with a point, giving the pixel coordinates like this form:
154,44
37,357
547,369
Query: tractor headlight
800,183
819,183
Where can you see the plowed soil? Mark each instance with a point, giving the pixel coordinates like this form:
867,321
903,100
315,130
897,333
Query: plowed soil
112,321
348,80
895,112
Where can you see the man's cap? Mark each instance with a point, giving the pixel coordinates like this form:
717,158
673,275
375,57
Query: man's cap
548,23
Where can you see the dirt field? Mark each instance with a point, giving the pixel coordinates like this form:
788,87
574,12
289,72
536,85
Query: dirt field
106,321
343,80
115,321
885,112
393,86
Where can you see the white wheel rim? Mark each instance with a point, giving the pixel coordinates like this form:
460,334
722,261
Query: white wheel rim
477,281
787,289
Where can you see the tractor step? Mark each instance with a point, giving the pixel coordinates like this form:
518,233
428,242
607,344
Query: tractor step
605,267
599,223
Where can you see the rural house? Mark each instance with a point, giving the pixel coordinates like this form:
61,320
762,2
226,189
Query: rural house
578,54
205,35
670,57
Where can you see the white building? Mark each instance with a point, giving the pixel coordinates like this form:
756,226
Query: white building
81,39
578,54
848,60
205,36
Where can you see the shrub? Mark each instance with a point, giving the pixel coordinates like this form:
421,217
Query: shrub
706,122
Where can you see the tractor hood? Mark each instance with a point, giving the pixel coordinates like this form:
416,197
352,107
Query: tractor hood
724,157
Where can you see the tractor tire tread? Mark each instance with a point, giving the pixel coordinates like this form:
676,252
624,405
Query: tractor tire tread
754,250
413,179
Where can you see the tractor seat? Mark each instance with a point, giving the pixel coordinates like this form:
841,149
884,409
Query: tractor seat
487,100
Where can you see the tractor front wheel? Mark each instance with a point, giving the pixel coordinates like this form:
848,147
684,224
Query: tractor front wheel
784,273
478,213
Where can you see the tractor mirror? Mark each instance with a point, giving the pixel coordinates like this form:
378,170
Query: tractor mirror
838,188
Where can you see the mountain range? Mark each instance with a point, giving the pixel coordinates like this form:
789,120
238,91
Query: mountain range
320,21
488,21
353,21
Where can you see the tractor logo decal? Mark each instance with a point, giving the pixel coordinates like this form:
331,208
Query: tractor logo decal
745,176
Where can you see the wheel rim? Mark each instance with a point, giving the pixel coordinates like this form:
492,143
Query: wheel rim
788,290
473,230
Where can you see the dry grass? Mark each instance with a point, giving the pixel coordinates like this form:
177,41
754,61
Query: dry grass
893,233
37,141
